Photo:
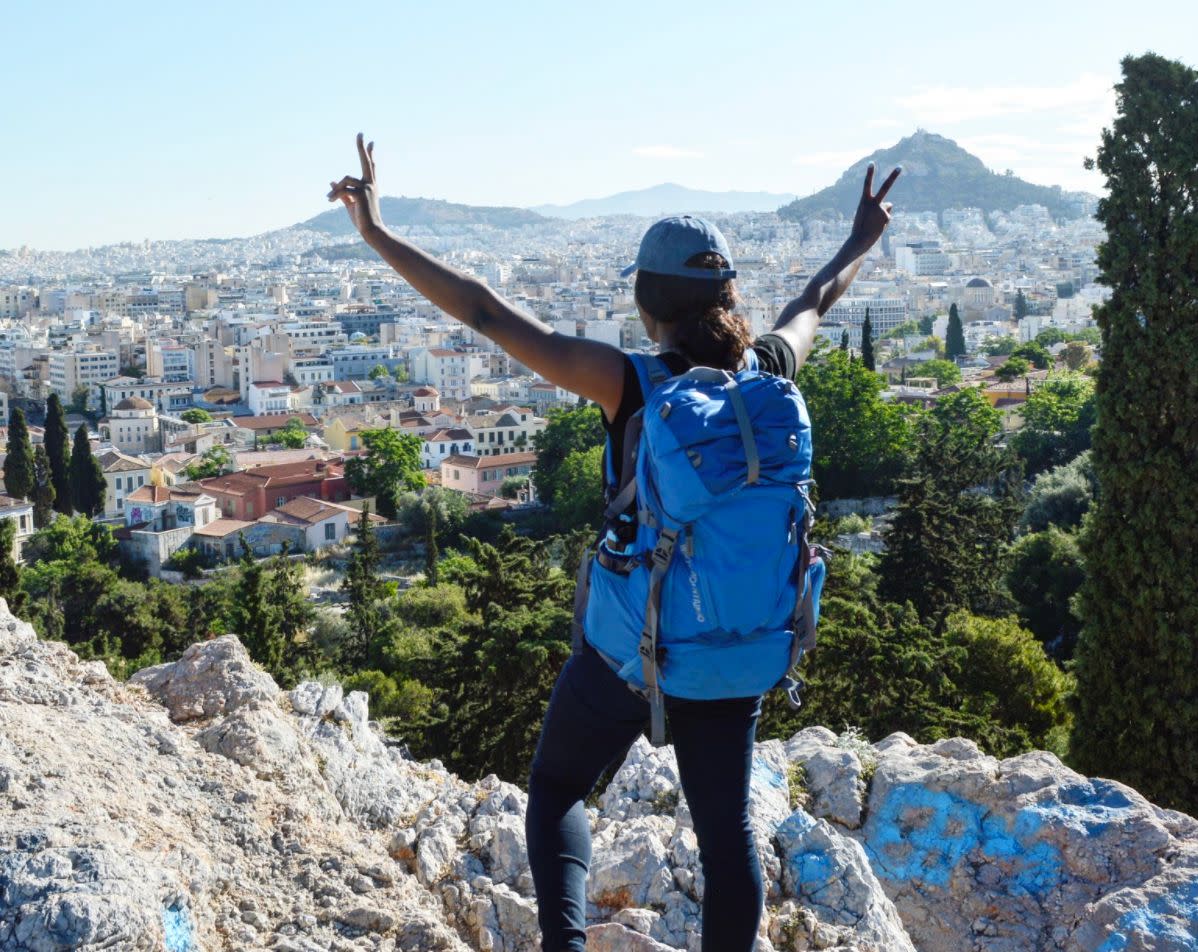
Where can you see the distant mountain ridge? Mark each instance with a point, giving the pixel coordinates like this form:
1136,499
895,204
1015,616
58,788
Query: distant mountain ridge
668,198
427,212
937,174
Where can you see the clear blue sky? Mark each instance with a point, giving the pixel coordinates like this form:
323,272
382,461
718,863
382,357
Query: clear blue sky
129,120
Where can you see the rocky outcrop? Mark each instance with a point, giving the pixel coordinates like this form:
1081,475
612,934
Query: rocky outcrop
199,807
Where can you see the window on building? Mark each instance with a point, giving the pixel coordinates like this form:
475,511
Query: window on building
280,500
330,531
249,510
118,482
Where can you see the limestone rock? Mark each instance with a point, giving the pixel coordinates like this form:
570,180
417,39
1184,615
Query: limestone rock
613,937
212,677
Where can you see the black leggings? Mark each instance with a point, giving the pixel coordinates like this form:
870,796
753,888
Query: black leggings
592,720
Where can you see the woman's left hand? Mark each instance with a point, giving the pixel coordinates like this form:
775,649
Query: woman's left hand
873,214
360,195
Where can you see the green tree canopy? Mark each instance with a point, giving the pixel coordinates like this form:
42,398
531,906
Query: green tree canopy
958,503
214,461
945,372
1045,573
196,415
1057,419
1137,657
294,435
390,465
379,371
579,497
859,439
1035,354
1061,496
1014,367
569,431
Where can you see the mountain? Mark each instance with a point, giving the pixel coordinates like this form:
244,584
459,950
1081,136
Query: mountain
666,199
937,174
429,212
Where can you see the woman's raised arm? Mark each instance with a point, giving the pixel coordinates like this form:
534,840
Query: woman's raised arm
799,320
590,368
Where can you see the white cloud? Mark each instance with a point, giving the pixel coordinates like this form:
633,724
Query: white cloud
942,104
665,152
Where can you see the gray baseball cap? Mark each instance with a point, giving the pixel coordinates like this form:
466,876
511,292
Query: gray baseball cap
671,242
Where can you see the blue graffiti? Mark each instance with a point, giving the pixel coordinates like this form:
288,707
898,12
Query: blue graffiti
811,869
177,929
1172,917
766,776
922,834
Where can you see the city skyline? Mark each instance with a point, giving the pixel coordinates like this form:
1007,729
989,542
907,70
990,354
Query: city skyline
139,122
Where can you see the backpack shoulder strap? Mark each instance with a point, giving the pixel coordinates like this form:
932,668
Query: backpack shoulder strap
750,360
651,371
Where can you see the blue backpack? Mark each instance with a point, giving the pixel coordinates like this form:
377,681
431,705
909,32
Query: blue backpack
703,584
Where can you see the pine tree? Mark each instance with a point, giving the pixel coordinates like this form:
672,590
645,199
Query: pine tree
88,485
844,340
256,617
18,464
958,505
57,441
954,339
43,489
1137,656
364,591
867,343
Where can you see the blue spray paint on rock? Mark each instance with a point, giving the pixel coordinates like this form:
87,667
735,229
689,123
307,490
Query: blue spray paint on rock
1172,918
924,835
178,931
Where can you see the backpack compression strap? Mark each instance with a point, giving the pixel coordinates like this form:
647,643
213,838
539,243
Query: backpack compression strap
663,552
803,620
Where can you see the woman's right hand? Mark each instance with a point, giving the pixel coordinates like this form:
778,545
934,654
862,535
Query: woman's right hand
360,195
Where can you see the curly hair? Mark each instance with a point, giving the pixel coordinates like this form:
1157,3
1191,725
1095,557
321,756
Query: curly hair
712,335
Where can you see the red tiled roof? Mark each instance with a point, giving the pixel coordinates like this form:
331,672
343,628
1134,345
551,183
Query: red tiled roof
270,420
491,462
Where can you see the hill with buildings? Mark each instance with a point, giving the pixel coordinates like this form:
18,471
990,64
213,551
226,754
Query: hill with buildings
665,199
425,212
937,174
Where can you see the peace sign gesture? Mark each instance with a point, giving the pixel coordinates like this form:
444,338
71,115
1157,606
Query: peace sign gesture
360,195
873,214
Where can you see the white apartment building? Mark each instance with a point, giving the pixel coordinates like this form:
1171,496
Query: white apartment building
70,370
311,371
318,335
164,397
17,302
213,364
170,361
921,258
885,314
510,430
450,371
606,331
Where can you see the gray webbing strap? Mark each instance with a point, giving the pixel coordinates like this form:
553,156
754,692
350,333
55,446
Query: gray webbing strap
663,552
803,620
622,500
752,458
582,591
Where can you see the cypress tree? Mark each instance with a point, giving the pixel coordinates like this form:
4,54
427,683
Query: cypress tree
256,616
954,338
1137,656
88,485
364,591
10,572
43,489
844,340
57,441
18,464
867,343
1021,307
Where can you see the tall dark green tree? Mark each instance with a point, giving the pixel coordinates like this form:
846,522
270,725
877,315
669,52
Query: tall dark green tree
958,504
43,489
256,618
1021,308
954,337
18,463
844,341
58,449
364,590
88,486
1137,656
10,574
432,554
867,343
